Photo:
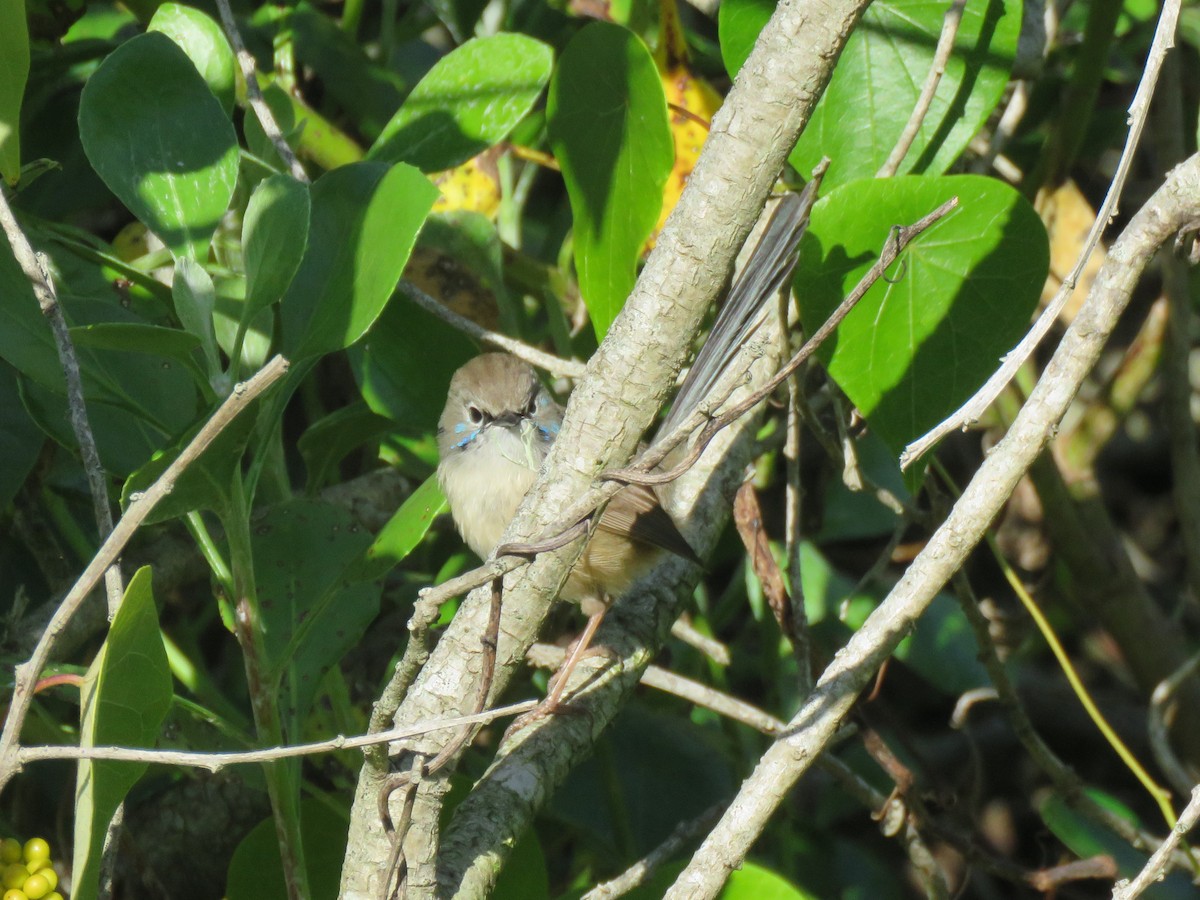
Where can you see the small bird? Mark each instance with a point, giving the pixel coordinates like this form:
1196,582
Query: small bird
499,423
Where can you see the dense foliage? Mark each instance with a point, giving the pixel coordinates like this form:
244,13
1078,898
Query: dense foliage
516,160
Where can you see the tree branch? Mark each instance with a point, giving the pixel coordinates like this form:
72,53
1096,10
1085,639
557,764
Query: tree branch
1173,205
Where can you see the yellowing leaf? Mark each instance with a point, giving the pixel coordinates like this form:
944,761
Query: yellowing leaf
473,186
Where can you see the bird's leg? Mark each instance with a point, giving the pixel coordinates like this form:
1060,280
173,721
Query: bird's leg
553,702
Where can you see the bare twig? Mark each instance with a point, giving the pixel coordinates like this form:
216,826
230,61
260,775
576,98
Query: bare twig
1173,205
639,873
1163,703
555,365
1068,784
35,270
1158,864
937,68
684,631
973,409
794,502
637,473
214,761
141,506
409,783
254,95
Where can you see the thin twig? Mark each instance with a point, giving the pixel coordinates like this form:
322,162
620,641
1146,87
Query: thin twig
794,503
141,506
1068,784
214,762
685,632
254,95
641,871
971,411
1163,706
900,238
1156,867
34,267
410,782
555,365
937,69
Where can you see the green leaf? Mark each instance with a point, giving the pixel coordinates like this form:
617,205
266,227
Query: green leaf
754,882
880,75
365,219
330,439
312,614
136,337
406,365
1086,838
928,335
195,299
202,39
159,139
607,118
738,25
20,438
274,237
205,484
883,69
469,101
126,694
255,872
14,71
404,530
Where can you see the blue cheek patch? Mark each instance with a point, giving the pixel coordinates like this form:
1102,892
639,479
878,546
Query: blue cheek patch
459,429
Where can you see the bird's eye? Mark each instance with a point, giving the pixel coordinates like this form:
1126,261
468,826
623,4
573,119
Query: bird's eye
531,406
474,414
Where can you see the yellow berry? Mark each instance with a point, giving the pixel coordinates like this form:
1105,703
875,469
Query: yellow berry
10,850
36,848
14,894
46,871
36,887
54,896
14,875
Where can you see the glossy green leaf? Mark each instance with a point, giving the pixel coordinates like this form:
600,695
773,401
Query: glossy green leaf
136,401
404,530
738,25
754,882
607,118
274,237
136,337
205,484
255,872
880,75
14,71
201,38
330,439
195,299
928,335
406,365
312,613
365,219
160,140
125,696
469,101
